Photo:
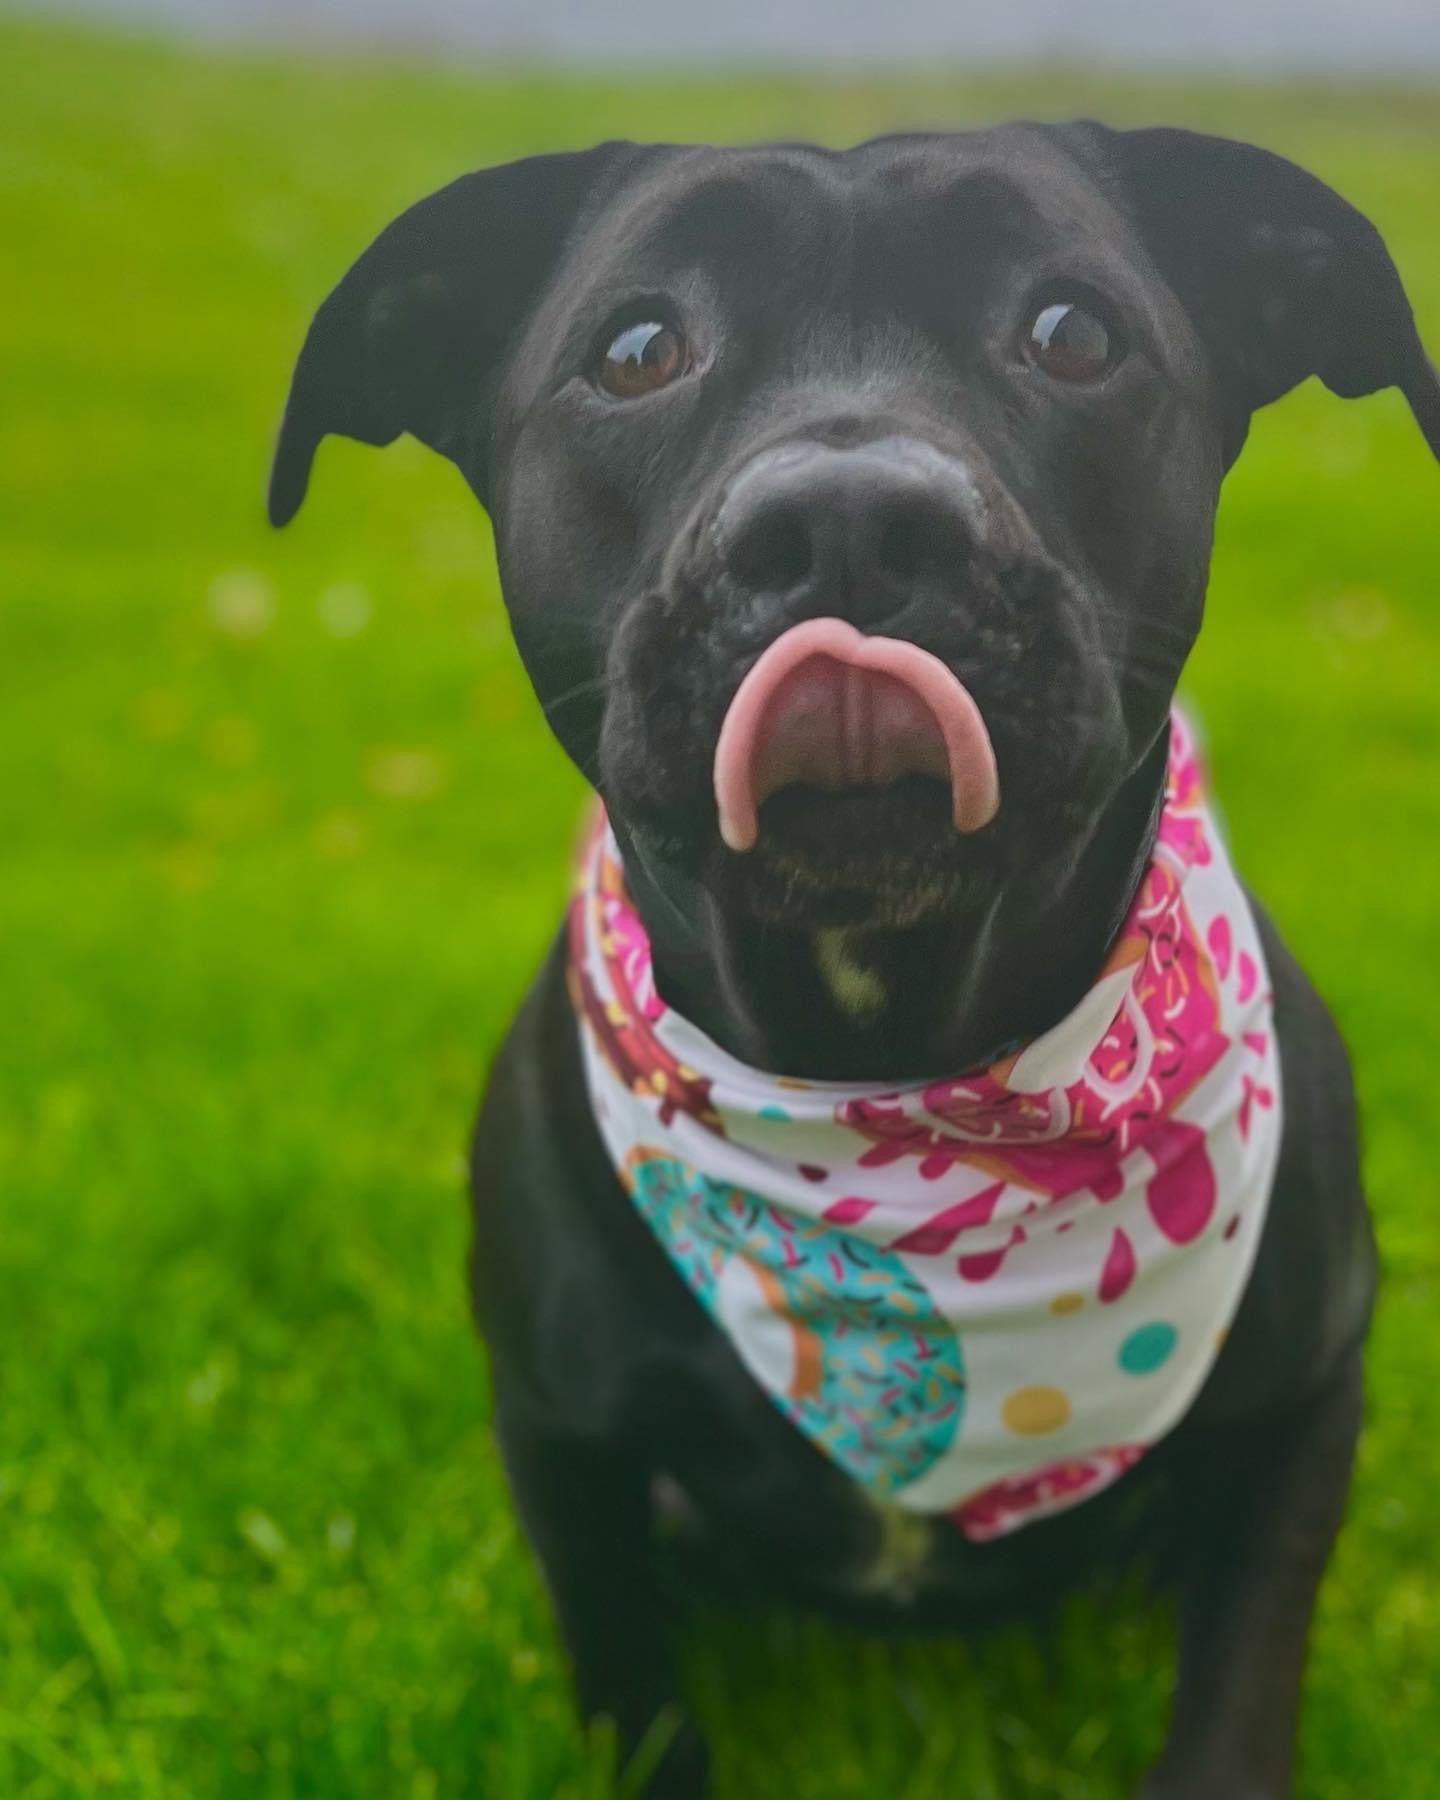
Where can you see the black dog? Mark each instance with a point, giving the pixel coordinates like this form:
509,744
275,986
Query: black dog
605,343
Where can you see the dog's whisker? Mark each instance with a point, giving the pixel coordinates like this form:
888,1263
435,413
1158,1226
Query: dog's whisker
583,690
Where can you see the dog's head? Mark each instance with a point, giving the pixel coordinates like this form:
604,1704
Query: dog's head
854,509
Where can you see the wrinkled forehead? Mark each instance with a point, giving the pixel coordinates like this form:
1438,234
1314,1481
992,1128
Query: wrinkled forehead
901,227
1012,183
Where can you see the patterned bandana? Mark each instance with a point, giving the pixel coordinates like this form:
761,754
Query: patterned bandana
986,1295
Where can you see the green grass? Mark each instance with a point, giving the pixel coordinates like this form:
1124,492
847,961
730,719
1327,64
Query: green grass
283,838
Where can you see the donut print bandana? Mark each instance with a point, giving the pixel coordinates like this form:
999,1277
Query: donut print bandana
984,1296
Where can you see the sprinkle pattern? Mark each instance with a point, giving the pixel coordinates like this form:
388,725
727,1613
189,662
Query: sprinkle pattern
984,1296
874,1371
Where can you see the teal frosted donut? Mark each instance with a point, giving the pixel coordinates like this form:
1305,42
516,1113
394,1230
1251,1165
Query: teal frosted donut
877,1379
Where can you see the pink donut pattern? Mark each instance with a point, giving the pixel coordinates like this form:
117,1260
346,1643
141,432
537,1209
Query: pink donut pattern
1163,1040
1075,1224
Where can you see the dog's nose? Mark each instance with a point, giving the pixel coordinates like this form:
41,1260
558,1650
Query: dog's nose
848,532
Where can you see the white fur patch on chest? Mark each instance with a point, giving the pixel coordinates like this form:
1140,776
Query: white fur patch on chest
986,1294
897,1570
856,990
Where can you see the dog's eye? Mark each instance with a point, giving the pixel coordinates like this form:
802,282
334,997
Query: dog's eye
642,358
1069,342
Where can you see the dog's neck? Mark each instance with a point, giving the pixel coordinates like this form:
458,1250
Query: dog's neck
890,1005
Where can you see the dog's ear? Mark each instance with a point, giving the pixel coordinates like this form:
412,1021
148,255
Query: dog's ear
1282,277
413,337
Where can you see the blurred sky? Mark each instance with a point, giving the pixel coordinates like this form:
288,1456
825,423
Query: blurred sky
1338,34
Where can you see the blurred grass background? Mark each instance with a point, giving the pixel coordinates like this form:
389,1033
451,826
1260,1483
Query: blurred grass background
283,839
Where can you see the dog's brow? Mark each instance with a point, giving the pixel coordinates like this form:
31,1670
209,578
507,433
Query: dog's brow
974,201
735,195
749,197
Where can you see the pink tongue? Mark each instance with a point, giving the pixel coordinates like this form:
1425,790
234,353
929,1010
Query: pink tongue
827,706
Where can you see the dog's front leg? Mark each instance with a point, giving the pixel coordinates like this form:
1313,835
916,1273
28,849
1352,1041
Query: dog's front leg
1259,1528
586,1508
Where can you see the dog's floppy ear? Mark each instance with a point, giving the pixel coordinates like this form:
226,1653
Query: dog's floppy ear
412,338
1282,277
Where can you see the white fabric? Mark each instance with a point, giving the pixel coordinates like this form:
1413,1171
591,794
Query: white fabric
985,1295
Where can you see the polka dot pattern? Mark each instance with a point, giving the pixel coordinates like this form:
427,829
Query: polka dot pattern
990,1290
1035,1411
1148,1348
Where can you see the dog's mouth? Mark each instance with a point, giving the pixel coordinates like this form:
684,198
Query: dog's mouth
828,714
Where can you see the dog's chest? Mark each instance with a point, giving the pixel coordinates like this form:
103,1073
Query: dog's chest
902,1563
991,1292
763,1514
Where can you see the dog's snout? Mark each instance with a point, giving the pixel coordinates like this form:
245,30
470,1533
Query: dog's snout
852,531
